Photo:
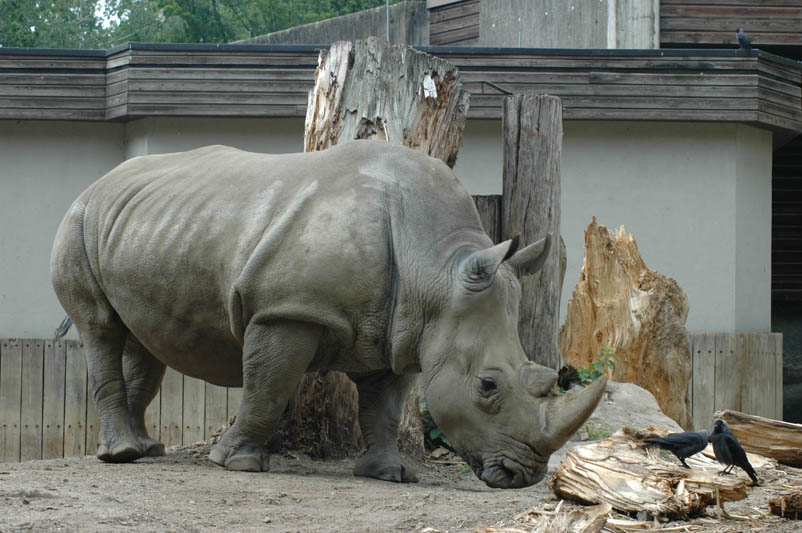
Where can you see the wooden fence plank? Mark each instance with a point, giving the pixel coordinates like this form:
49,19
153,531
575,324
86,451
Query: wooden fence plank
193,410
92,421
728,372
778,375
53,400
763,396
75,401
153,417
216,408
33,354
171,410
10,395
703,379
234,398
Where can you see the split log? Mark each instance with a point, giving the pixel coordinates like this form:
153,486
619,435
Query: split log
371,90
787,505
636,312
533,131
619,472
767,437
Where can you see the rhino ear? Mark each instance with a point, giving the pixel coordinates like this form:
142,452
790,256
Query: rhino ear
478,269
531,258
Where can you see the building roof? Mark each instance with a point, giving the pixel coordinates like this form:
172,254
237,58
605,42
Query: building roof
237,80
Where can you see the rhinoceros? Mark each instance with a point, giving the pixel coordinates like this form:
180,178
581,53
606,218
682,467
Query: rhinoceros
246,269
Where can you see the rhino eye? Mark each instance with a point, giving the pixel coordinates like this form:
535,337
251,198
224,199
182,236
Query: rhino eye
487,385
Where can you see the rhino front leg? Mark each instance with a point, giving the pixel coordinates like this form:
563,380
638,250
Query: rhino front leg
274,359
381,401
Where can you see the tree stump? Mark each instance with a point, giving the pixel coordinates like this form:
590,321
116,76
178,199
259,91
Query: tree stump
371,90
637,313
533,133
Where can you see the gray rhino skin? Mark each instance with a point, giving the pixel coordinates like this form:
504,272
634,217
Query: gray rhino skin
249,270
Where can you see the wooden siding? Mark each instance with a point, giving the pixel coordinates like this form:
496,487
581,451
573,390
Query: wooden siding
786,227
47,411
455,24
739,371
713,22
142,80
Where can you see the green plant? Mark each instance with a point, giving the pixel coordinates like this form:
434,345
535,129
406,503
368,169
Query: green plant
597,368
597,431
433,436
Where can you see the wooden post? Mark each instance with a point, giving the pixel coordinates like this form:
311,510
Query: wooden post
533,133
371,90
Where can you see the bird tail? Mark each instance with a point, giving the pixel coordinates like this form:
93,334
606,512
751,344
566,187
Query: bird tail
751,472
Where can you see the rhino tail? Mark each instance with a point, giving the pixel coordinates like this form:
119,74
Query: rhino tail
62,328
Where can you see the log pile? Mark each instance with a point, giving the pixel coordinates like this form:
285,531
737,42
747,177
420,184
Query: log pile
636,312
776,439
618,471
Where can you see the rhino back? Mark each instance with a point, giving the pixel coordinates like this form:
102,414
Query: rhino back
189,248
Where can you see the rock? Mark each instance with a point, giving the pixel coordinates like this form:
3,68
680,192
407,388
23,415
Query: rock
639,314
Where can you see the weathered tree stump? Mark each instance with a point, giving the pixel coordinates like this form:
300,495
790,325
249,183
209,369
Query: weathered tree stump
371,90
531,207
637,313
765,436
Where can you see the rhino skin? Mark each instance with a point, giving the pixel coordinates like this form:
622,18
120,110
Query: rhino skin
247,269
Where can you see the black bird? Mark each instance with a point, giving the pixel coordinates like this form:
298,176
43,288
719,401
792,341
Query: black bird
683,445
728,450
743,40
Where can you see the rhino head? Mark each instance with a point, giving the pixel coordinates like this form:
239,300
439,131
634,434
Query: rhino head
502,413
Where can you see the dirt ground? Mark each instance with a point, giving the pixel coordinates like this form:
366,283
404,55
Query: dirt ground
184,491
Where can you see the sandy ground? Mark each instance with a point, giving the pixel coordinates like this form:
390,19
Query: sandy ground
184,491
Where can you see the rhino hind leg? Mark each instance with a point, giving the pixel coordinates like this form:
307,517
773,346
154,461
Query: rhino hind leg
143,375
104,345
381,401
275,357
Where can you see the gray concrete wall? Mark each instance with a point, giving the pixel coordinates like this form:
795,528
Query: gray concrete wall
409,24
44,166
569,24
696,197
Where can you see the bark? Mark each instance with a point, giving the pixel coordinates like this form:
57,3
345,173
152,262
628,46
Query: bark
531,207
374,90
776,439
371,90
618,471
636,312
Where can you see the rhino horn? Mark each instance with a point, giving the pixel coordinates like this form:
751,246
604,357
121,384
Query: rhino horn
531,258
566,413
538,379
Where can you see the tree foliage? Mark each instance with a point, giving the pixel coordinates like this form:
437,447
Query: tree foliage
106,23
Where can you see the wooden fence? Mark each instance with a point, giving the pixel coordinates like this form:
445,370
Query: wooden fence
740,371
46,407
47,411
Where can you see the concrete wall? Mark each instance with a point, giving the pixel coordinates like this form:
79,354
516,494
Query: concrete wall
44,166
570,24
409,24
696,197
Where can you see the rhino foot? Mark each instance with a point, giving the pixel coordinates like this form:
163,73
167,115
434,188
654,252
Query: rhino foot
127,450
385,465
242,458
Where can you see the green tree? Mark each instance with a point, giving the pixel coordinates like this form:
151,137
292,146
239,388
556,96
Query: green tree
51,24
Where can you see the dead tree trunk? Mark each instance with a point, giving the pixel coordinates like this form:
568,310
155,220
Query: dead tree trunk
371,90
767,437
638,313
533,133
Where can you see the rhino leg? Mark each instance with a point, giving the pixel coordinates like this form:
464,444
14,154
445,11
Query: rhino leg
275,357
104,355
381,401
143,375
